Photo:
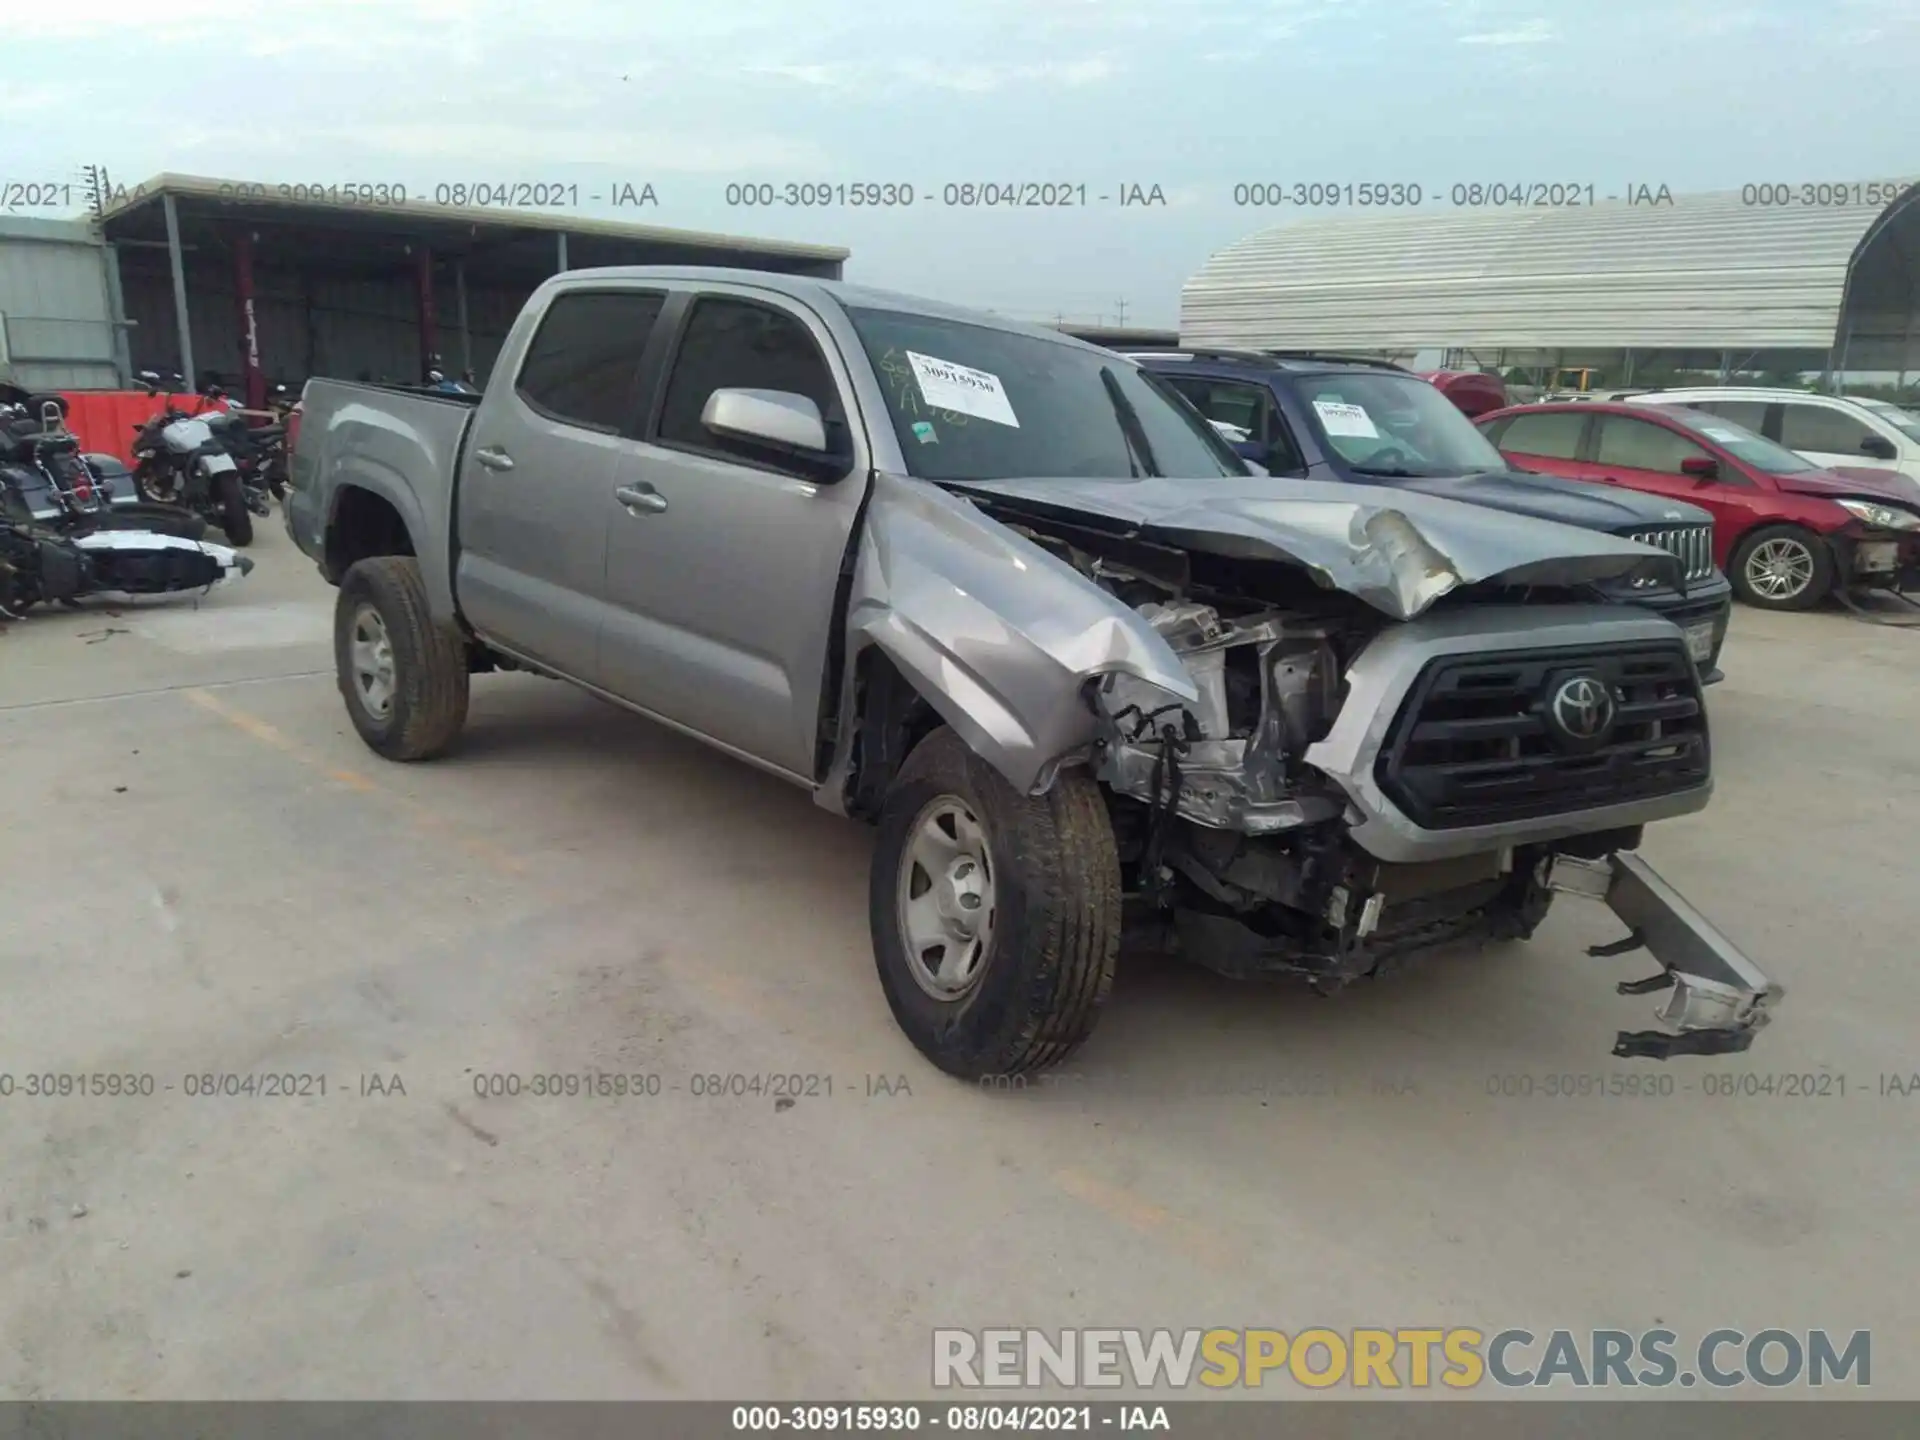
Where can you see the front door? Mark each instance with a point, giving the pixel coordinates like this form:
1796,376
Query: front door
722,565
1646,456
1827,434
533,486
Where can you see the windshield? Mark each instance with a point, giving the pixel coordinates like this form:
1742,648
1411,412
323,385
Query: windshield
972,402
1383,424
1905,421
1742,443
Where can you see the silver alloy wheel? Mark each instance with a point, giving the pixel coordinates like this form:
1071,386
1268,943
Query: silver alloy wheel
371,650
946,898
1780,568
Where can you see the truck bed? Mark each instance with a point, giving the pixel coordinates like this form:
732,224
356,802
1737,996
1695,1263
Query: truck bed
399,443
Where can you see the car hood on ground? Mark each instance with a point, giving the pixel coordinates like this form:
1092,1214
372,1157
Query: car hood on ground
1854,480
1397,550
1550,497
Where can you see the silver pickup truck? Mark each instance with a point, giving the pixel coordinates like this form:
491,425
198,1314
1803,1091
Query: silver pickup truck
1007,598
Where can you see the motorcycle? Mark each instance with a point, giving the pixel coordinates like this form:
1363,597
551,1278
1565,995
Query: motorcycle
259,450
39,564
183,460
62,537
46,479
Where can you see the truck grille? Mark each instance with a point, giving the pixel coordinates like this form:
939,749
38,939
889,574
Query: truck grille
1693,544
1482,739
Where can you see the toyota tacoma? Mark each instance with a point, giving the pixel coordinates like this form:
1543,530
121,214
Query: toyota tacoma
1008,599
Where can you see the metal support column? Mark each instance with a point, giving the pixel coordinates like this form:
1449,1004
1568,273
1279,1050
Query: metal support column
255,389
466,335
423,290
178,264
562,249
117,305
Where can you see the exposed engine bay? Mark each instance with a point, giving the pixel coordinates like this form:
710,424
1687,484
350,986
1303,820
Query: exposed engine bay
1240,855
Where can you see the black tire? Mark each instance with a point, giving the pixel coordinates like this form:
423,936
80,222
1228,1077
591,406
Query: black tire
1787,540
143,486
1055,927
235,518
428,703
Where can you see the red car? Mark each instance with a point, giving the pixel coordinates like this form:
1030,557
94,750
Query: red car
1786,532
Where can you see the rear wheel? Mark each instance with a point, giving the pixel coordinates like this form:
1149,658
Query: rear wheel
403,677
995,915
1782,567
235,518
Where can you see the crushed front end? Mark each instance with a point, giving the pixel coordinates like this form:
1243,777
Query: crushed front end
1348,791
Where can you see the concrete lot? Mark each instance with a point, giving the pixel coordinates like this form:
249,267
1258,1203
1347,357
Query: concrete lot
202,870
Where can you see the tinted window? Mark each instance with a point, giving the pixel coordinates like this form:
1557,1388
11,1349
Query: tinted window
740,345
585,358
1760,453
1245,407
1816,427
1552,433
1643,445
977,402
1749,413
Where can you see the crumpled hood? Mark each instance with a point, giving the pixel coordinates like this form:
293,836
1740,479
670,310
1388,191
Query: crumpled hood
1549,497
1861,481
1397,550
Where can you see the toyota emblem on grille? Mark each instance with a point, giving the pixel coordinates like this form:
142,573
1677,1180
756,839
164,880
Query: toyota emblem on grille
1582,708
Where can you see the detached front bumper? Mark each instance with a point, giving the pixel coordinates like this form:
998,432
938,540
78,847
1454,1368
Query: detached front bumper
1718,998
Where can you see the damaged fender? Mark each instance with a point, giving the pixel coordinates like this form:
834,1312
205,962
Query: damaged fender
996,634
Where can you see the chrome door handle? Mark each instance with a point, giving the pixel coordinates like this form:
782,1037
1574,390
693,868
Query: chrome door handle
638,498
494,458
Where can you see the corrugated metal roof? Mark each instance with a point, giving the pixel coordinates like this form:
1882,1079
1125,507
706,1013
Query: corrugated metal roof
242,195
1706,272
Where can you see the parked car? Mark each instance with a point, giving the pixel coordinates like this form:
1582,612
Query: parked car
1367,422
1786,531
1473,392
1004,595
1833,431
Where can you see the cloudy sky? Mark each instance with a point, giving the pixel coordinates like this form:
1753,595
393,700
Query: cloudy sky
1193,96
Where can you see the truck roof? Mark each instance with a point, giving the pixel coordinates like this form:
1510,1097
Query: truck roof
812,288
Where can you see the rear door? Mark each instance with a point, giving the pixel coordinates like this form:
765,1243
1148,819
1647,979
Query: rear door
722,578
1547,441
533,485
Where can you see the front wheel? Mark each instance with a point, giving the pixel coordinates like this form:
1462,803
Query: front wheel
1782,567
157,484
404,678
235,517
995,915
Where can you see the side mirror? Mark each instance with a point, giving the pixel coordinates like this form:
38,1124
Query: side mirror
1879,447
780,420
1701,467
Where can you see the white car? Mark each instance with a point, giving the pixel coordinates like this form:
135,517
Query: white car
1833,431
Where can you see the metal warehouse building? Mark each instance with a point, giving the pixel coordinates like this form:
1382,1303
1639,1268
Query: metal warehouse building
59,304
231,279
1828,288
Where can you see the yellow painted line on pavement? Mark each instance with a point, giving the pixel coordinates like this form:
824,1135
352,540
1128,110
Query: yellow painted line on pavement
420,816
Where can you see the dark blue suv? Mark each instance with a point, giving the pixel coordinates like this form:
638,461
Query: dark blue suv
1359,421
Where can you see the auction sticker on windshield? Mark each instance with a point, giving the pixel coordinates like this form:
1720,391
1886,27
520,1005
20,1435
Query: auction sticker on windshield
947,386
1341,418
1725,437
